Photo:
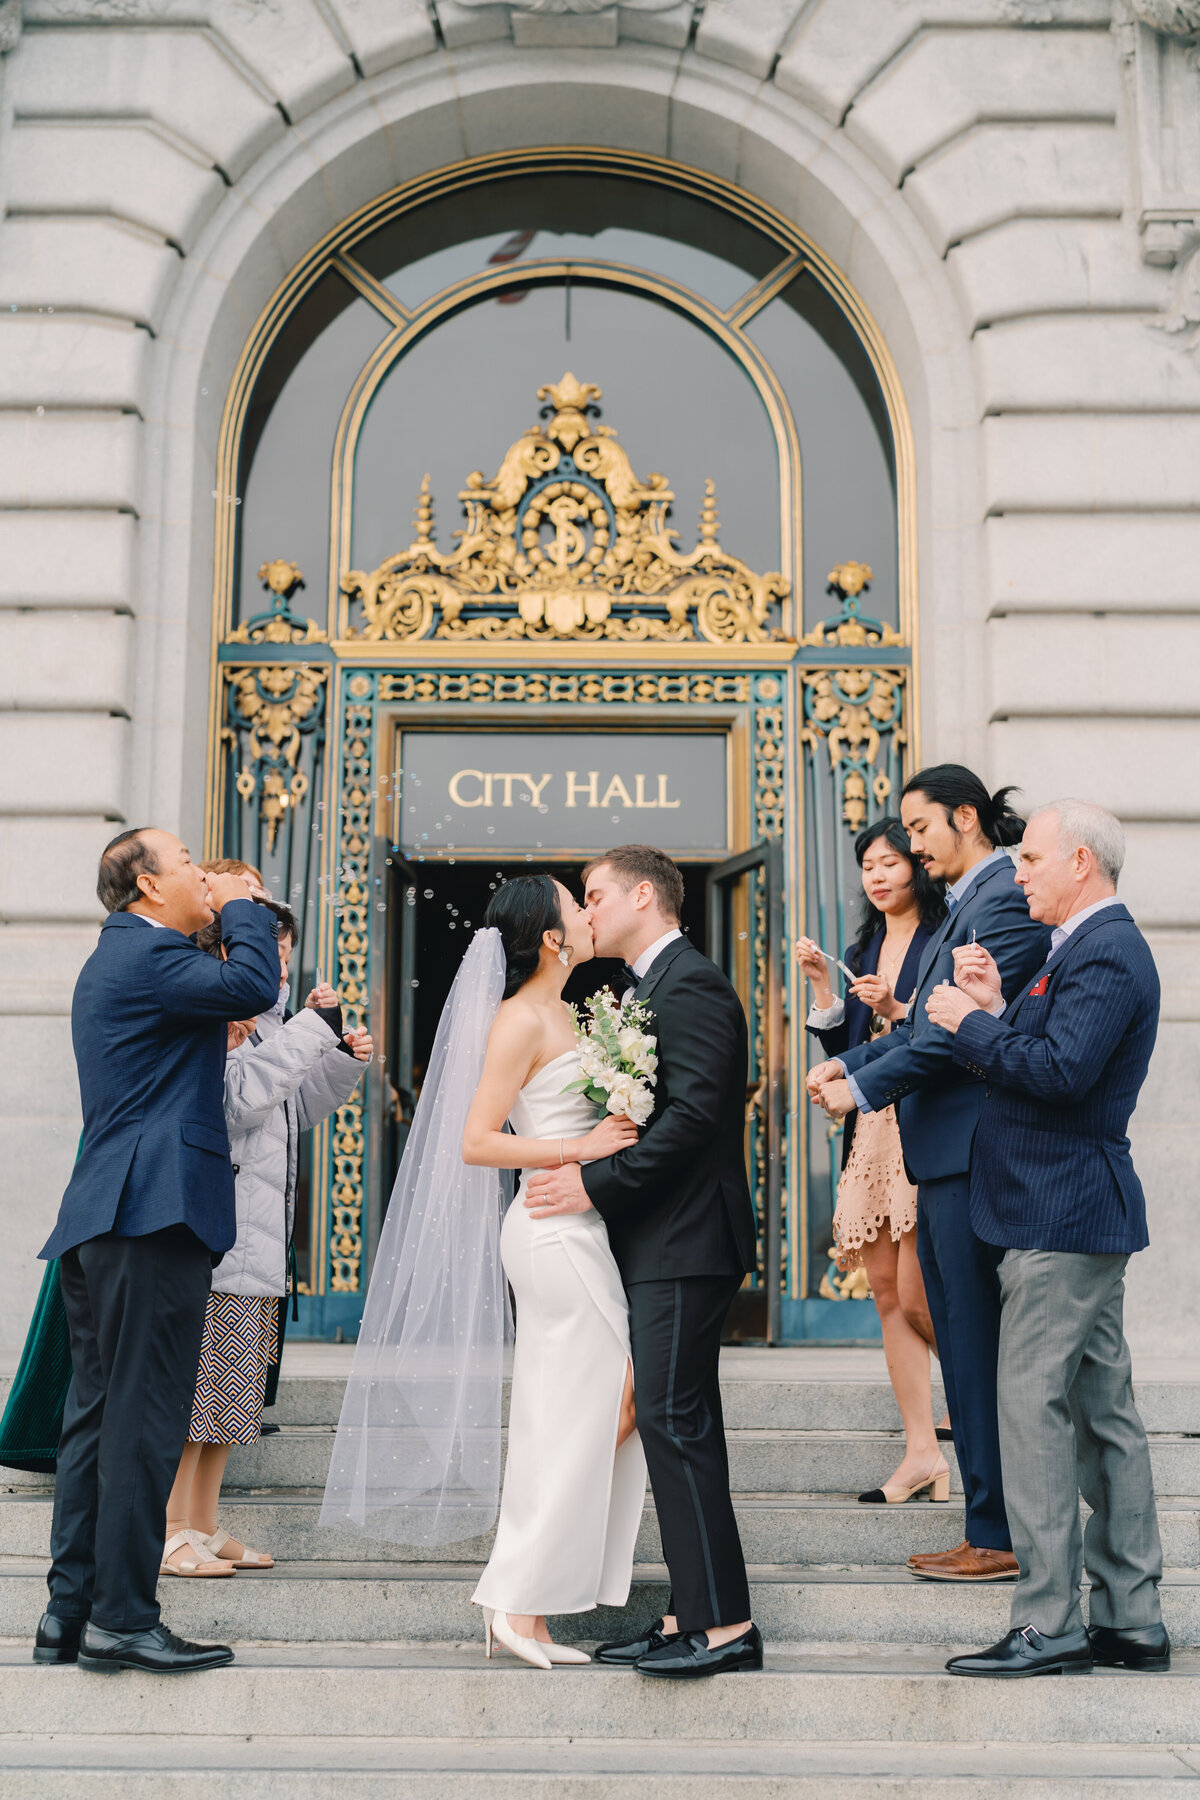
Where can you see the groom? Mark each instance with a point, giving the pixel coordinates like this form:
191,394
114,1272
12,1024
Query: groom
681,1225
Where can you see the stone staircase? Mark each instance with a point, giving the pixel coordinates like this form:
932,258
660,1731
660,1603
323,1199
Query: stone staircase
360,1672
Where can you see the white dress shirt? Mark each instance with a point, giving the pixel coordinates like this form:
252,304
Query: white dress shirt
641,965
1062,932
157,923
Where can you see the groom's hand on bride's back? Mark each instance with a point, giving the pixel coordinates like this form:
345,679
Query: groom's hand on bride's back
552,1191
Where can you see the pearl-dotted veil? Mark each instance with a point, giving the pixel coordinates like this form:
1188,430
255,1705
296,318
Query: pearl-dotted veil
417,1454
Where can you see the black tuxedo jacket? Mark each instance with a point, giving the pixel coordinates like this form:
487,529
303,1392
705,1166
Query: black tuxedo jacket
677,1202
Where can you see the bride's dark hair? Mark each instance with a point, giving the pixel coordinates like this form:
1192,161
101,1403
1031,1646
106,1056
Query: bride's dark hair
522,910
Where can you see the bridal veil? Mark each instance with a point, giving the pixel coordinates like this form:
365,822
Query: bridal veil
417,1454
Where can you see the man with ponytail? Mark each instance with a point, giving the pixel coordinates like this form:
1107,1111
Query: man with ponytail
959,832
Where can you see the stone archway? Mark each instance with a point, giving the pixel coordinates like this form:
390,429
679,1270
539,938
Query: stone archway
356,146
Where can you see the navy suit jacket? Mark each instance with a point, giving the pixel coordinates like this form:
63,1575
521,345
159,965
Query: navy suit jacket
1052,1169
938,1102
148,1023
855,1026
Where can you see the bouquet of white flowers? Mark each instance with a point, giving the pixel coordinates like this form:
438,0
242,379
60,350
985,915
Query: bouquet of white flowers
618,1056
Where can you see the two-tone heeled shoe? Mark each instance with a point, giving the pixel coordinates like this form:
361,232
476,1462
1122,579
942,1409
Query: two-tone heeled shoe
496,1628
937,1481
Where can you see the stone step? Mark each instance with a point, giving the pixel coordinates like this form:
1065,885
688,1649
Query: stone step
754,1399
760,1462
840,1694
759,1403
775,1528
214,1767
363,1602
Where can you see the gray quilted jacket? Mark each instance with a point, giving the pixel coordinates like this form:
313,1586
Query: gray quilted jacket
281,1081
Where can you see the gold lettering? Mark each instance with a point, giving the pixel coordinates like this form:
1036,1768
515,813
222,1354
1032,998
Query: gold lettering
588,787
456,792
535,787
616,787
641,793
662,794
508,781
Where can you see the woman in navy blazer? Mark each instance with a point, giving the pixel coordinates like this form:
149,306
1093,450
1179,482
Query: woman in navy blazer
874,1226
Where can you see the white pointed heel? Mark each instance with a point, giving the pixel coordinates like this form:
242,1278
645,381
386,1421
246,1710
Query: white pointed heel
496,1628
564,1653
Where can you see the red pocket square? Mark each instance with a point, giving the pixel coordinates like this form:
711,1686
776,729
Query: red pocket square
1039,987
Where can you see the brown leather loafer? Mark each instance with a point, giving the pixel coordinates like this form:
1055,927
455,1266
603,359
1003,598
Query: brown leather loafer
969,1562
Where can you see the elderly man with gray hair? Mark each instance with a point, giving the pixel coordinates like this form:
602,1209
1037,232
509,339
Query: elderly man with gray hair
1052,1182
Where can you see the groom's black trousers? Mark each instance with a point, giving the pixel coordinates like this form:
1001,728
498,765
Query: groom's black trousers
675,1330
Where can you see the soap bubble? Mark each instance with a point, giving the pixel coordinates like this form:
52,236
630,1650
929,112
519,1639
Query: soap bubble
429,893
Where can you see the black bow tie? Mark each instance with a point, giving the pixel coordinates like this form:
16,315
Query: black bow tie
629,975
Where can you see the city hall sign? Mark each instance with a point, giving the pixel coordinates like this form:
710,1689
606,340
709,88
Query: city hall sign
562,791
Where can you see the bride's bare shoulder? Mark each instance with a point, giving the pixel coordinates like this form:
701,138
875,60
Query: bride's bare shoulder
517,1024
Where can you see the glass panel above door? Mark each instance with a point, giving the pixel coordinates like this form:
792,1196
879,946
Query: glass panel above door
679,402
585,216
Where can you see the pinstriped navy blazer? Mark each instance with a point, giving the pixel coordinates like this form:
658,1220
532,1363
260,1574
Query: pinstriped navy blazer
1052,1169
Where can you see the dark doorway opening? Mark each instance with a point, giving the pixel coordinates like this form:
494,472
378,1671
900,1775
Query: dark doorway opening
437,907
434,908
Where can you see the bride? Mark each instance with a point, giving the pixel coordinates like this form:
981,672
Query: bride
417,1453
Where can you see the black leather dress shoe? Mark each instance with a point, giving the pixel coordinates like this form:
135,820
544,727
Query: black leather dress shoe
158,1651
689,1656
57,1640
623,1656
1027,1652
1145,1647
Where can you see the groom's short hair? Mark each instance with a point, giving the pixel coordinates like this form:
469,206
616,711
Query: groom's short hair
631,863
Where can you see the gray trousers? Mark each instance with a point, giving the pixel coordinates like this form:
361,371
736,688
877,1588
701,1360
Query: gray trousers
1068,1425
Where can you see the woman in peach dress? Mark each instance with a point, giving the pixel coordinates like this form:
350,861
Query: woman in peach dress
874,1225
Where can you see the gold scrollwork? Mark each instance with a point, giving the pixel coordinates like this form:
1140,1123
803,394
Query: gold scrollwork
849,627
350,904
768,771
279,625
490,685
858,713
566,542
275,704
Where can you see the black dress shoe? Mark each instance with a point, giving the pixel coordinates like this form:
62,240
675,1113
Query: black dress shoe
158,1651
943,1434
1144,1647
57,1640
1027,1652
268,1428
623,1656
689,1656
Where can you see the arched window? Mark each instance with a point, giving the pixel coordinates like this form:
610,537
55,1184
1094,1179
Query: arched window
409,348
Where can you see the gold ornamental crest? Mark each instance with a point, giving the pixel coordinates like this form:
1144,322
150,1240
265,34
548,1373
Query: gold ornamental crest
565,542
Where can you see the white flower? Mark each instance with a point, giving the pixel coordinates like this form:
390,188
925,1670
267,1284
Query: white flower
631,1097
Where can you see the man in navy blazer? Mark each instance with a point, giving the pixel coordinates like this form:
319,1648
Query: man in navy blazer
957,829
148,1211
1054,1188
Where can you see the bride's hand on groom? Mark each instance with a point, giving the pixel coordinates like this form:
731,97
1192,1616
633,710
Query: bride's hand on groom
614,1132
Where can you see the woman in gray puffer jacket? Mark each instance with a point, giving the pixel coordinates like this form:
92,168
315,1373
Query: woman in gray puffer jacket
282,1076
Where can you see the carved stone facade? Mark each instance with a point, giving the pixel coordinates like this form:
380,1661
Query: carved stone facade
1013,190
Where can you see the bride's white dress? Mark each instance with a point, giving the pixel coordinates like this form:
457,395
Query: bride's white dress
571,1502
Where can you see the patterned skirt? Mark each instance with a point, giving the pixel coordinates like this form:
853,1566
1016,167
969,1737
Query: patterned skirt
241,1336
